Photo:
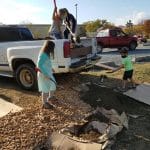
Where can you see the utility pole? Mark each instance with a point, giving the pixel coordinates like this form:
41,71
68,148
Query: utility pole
76,5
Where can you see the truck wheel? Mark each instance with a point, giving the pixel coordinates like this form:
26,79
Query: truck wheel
132,45
99,48
26,77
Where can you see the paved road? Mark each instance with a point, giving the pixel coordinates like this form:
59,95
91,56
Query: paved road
113,55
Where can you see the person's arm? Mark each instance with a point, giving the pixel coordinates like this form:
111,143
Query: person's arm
41,63
73,23
54,13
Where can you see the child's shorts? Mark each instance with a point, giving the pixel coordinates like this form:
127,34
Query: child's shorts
128,75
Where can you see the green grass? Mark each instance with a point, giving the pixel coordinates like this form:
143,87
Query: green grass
141,73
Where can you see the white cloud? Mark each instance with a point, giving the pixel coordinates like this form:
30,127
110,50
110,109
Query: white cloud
15,11
136,18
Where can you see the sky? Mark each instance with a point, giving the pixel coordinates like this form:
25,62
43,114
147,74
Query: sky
40,11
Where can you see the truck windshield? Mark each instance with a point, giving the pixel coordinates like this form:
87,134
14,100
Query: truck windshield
9,34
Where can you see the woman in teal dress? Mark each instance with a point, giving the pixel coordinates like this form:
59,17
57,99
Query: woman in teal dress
46,80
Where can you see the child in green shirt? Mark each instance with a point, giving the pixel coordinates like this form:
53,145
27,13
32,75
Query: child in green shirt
128,65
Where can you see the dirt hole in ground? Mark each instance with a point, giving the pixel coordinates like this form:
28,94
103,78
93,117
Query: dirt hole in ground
102,96
136,136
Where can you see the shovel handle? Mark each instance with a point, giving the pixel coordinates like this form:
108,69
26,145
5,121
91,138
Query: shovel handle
55,4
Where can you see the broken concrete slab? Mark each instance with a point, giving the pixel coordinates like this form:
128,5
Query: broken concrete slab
63,142
141,93
7,107
105,124
113,130
96,125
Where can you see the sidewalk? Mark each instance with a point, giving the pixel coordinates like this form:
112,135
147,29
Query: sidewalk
6,107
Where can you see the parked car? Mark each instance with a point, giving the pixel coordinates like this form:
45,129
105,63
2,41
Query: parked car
19,52
142,39
115,38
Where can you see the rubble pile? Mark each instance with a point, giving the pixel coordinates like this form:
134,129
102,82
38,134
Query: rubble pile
98,132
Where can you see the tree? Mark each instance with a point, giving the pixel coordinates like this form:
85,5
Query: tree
138,29
93,26
129,24
82,31
147,27
129,28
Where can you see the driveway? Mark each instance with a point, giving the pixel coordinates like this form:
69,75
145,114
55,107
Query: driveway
109,55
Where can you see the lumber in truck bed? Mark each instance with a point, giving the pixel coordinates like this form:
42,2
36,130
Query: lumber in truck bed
81,51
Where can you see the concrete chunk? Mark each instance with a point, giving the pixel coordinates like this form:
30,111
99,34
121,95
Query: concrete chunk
6,107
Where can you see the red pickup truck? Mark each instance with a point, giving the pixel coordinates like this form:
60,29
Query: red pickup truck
115,38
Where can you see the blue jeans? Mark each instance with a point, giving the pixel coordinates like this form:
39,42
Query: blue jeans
57,35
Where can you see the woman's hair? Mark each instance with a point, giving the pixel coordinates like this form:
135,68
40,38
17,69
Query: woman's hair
66,10
48,48
62,11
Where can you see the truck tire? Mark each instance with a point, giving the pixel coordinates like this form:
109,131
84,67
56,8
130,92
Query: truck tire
99,48
26,77
132,46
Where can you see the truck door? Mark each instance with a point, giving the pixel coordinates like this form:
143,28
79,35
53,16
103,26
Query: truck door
113,39
122,38
118,38
3,54
7,36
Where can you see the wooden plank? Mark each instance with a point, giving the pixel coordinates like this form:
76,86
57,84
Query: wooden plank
104,66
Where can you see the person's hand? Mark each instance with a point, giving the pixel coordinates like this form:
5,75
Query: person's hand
46,77
66,23
55,9
109,71
53,70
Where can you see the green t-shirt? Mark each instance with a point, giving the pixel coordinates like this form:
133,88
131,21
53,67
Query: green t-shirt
127,63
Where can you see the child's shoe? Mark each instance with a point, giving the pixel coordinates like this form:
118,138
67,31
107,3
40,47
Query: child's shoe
48,106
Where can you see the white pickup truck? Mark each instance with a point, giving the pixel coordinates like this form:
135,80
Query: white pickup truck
19,52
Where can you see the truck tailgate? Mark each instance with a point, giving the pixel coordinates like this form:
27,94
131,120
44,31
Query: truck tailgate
81,52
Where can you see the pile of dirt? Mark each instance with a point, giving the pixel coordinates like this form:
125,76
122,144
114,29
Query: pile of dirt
106,97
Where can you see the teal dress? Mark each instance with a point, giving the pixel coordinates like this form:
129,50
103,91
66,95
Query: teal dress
44,64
